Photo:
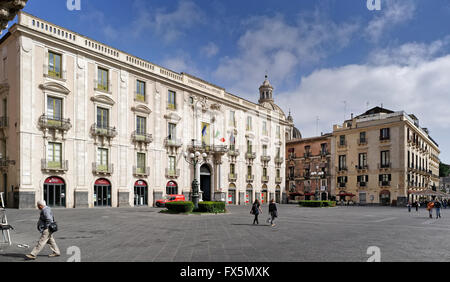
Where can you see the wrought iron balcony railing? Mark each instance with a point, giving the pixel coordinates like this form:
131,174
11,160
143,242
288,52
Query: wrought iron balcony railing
54,165
141,171
142,137
104,131
173,143
99,168
50,122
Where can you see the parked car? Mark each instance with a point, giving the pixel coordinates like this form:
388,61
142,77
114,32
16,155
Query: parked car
170,198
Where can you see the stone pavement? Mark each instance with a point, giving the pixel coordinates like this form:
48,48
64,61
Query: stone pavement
301,234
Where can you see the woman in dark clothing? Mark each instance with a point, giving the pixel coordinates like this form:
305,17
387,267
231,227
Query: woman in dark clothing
256,210
273,211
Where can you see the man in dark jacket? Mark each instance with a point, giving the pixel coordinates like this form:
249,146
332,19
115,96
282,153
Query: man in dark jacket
45,219
273,211
437,206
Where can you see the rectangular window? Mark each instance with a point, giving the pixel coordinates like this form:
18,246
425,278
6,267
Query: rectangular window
264,150
278,154
342,162
54,155
102,118
249,170
232,169
140,91
171,103
249,123
172,131
385,159
384,134
278,173
249,146
264,128
54,108
5,60
362,138
307,151
342,140
232,119
172,164
103,79
323,148
141,125
140,162
385,179
54,65
265,172
362,161
102,159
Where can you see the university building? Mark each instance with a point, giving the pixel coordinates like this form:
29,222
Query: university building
383,157
86,125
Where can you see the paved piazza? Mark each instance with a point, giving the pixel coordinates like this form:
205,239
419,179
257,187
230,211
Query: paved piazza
301,234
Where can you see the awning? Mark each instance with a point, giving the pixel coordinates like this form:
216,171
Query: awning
346,194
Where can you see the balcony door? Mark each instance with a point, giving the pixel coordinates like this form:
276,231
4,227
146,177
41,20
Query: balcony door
54,109
102,118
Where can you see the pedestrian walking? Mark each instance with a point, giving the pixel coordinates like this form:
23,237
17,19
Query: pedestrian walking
273,211
409,206
437,206
256,210
45,220
417,205
430,207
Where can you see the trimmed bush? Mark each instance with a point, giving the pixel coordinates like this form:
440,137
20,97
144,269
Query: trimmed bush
317,204
211,207
180,207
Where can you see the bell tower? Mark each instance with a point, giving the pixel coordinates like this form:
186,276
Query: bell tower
265,92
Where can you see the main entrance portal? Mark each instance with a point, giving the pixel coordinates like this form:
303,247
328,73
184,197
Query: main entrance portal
205,182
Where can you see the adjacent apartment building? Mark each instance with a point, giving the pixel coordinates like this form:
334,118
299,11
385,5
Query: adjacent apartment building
308,168
383,157
86,125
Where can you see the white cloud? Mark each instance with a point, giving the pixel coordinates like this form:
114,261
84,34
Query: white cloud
210,50
170,25
412,53
393,12
421,89
272,44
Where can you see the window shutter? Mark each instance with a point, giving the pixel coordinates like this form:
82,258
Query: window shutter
367,178
389,176
346,179
380,177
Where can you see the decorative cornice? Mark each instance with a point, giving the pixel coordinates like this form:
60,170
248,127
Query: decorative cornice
104,99
55,87
141,109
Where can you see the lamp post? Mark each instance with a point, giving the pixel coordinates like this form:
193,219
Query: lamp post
194,159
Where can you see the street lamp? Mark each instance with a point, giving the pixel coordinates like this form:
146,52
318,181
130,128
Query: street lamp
194,159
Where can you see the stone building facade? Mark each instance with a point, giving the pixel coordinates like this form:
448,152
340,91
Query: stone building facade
382,157
308,168
86,125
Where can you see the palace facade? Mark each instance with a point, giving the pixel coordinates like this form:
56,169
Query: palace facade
86,125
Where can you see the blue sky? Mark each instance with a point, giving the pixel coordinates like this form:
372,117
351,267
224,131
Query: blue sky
317,54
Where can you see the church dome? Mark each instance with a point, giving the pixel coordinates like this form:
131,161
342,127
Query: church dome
266,97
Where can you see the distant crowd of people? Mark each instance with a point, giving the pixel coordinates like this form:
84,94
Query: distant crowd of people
436,205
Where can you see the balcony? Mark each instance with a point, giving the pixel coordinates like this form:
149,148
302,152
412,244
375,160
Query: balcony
342,185
4,122
54,123
265,158
250,156
279,160
362,184
175,143
6,162
264,178
292,156
172,107
342,144
291,176
278,180
232,152
384,139
342,169
385,184
219,149
385,166
141,171
323,154
362,142
307,155
362,168
250,178
104,169
142,137
232,177
172,173
103,131
60,166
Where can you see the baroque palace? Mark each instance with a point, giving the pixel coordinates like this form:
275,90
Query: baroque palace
86,125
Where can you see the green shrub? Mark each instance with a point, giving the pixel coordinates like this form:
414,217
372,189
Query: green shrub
180,207
317,204
211,207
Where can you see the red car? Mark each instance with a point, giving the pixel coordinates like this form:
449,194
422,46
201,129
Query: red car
170,198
